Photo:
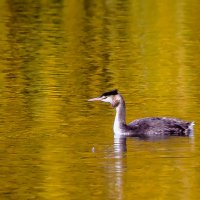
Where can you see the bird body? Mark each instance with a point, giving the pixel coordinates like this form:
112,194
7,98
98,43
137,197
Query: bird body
145,127
160,126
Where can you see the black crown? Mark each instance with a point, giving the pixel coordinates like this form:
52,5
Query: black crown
113,92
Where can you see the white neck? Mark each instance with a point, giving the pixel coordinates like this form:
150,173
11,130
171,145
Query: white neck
120,119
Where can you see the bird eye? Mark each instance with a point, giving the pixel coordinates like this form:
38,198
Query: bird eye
104,97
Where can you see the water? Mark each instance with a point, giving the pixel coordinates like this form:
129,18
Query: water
54,56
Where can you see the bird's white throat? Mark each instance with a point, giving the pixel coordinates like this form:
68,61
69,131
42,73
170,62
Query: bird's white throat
120,120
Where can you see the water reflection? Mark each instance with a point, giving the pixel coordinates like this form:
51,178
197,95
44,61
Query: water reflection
55,55
148,153
120,145
117,169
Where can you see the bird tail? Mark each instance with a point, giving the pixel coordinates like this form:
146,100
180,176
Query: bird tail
190,130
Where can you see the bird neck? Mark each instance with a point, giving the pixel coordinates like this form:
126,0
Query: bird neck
120,117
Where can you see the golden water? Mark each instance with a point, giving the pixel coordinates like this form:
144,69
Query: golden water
54,56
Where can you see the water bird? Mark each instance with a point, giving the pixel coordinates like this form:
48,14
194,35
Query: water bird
144,127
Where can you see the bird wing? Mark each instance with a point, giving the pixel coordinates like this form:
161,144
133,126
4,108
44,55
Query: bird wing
160,125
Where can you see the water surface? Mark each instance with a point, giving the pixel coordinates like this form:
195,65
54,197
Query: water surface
54,56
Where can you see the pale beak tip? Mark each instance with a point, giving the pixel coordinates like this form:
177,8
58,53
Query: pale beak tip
94,99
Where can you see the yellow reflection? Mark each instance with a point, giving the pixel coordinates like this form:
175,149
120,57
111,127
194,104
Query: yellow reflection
56,55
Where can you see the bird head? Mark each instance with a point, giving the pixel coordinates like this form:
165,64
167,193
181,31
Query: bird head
112,97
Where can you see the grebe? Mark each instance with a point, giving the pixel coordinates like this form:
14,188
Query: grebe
150,126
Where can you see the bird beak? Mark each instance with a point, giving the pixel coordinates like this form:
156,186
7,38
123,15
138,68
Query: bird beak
95,99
